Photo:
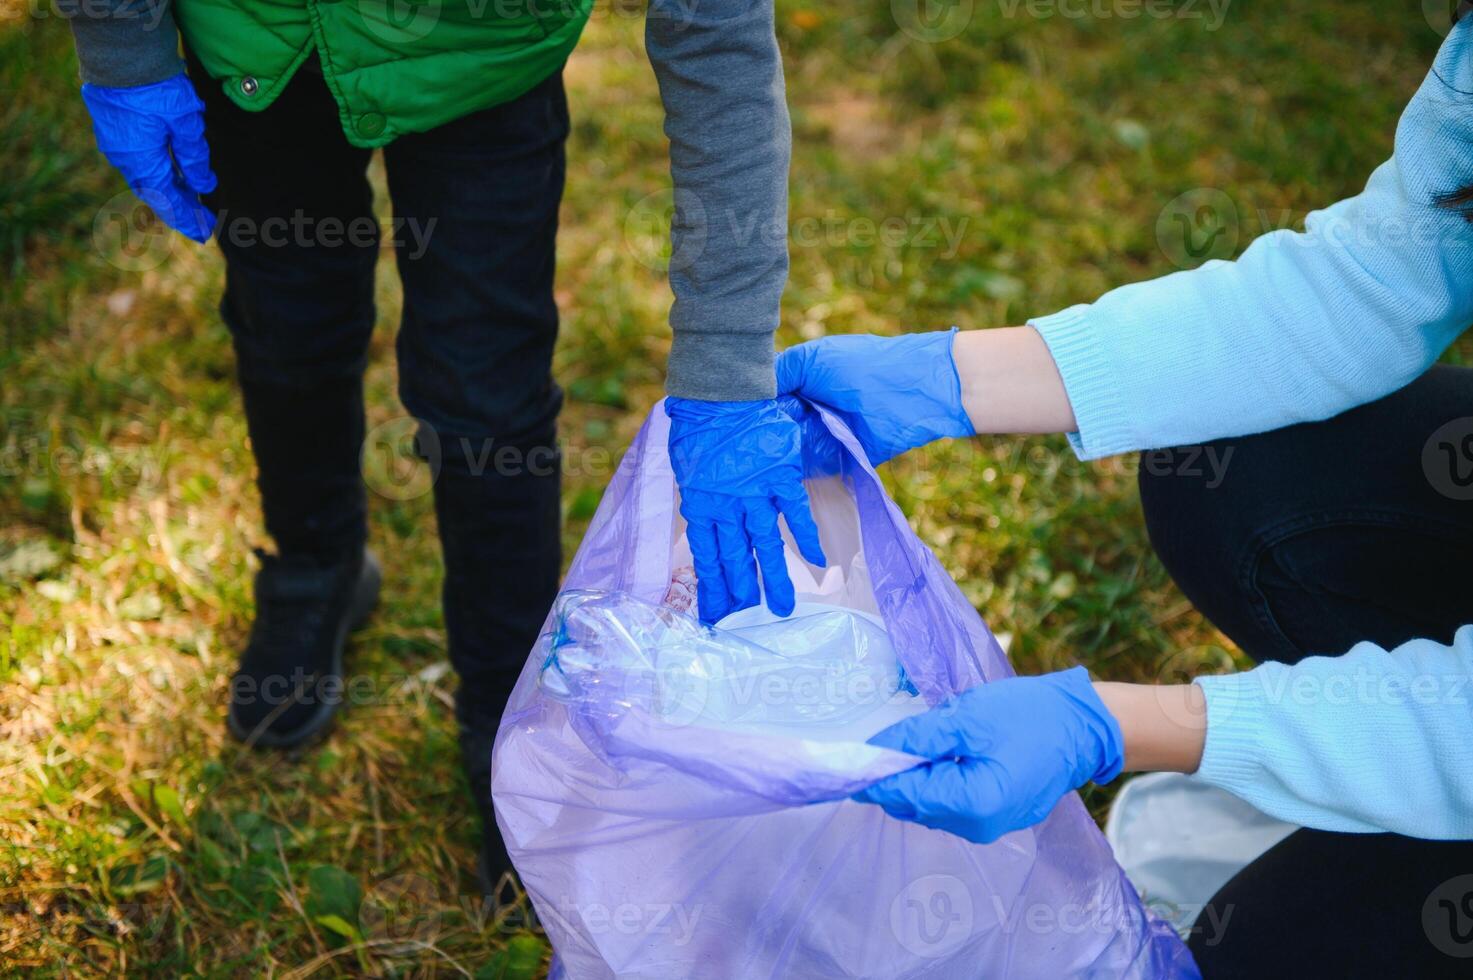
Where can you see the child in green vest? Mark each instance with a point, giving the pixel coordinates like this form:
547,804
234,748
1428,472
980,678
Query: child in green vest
264,142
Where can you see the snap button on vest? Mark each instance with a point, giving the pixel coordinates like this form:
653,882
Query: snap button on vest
249,85
370,124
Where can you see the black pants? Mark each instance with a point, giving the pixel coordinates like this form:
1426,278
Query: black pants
1306,541
475,218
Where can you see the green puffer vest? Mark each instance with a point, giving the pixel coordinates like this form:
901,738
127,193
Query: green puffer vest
394,66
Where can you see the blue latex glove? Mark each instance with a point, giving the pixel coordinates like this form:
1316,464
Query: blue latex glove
739,465
1003,755
894,393
155,136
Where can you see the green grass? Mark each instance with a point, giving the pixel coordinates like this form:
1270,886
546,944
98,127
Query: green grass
135,837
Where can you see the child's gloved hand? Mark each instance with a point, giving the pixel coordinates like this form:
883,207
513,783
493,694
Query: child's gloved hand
894,393
739,465
155,136
1003,754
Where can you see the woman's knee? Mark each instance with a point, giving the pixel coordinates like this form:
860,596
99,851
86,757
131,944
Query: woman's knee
1290,549
1205,514
1194,522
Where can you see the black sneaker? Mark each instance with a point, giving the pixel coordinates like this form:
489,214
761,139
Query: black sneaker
290,680
494,871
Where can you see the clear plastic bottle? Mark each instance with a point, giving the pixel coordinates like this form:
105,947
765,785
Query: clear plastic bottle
823,666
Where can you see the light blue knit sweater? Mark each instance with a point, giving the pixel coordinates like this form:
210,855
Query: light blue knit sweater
1302,327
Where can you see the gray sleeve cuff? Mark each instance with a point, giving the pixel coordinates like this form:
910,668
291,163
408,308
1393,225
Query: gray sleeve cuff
722,367
124,43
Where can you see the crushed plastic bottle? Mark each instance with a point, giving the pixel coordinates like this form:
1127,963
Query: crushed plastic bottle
821,666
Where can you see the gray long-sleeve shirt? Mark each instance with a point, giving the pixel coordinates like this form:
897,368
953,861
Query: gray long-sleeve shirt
721,82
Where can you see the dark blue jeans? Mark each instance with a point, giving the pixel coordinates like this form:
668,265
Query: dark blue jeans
1306,541
474,224
1309,539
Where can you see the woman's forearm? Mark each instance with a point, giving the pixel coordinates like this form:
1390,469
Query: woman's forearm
1164,726
1010,383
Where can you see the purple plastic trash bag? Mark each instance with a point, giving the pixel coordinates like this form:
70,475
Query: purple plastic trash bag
675,798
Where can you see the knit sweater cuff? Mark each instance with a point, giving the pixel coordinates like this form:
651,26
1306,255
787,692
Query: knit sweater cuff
1093,390
1232,755
124,43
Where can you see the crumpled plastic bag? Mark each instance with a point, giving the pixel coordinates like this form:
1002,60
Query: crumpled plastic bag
672,815
1179,840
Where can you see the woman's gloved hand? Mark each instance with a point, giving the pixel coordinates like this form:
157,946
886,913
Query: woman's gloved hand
894,393
1003,754
155,136
739,465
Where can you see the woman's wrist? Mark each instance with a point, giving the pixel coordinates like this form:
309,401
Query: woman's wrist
1009,382
1164,726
